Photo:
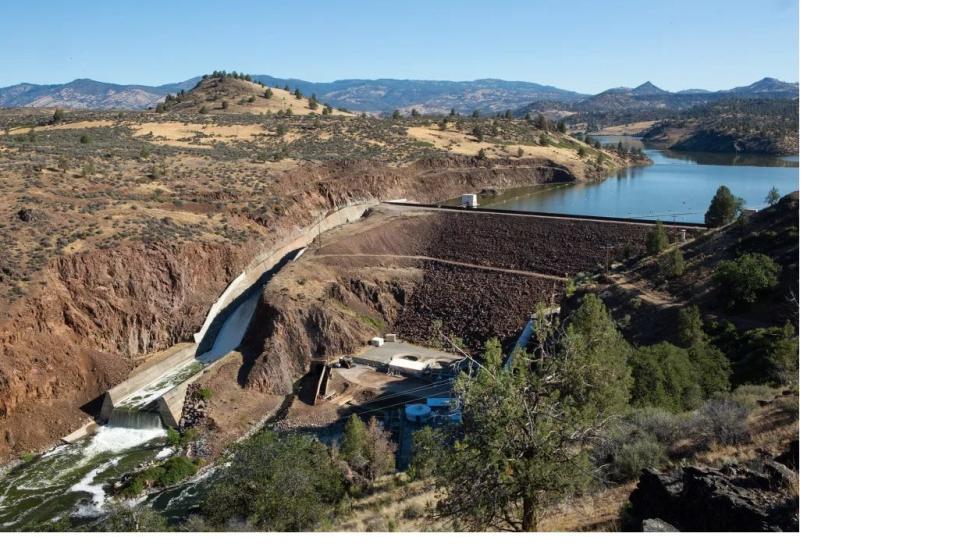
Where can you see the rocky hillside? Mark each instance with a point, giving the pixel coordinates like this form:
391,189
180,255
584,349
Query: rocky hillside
647,102
120,230
761,126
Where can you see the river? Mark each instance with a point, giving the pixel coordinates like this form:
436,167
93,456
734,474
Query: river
68,482
677,187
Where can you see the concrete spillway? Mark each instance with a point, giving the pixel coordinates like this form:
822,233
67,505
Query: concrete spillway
160,389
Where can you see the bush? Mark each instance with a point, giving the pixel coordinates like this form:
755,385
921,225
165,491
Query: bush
672,265
276,483
749,396
644,452
657,239
413,511
664,378
726,421
744,280
170,472
769,355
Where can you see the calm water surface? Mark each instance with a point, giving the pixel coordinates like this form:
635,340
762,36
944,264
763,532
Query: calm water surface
678,186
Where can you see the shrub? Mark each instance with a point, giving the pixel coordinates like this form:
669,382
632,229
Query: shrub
664,377
726,420
771,355
657,239
84,139
276,483
744,280
413,511
643,452
672,265
748,396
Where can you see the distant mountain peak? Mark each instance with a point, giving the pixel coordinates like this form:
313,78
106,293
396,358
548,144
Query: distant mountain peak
768,85
649,89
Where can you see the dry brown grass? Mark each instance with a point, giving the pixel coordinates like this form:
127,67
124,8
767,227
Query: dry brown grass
179,133
626,129
465,144
67,126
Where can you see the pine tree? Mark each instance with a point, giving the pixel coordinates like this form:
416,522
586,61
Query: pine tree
724,208
773,196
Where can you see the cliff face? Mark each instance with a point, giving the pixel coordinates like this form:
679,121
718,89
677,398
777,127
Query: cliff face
335,315
90,316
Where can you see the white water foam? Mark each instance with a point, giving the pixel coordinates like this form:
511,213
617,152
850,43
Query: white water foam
97,492
114,439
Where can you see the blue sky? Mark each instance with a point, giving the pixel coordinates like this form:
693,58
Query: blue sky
577,45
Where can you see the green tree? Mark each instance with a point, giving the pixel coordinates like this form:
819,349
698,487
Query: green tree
367,448
773,196
657,239
298,94
724,208
712,368
57,116
521,447
744,280
276,483
478,133
665,378
690,327
526,429
354,441
768,355
396,114
268,93
224,104
312,103
672,265
599,380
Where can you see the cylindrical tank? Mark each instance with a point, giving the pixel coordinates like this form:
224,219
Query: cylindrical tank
417,413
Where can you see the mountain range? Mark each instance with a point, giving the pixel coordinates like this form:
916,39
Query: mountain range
379,95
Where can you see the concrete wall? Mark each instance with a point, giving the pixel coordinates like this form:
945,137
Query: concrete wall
298,239
144,376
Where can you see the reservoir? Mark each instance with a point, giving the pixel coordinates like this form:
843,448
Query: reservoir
677,187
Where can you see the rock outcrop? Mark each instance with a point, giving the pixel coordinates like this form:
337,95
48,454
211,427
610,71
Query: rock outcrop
733,499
